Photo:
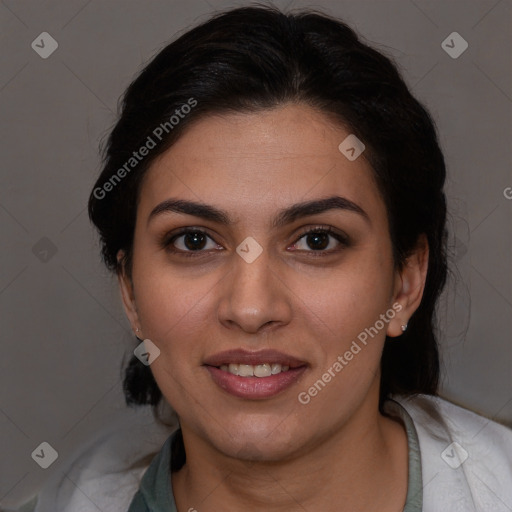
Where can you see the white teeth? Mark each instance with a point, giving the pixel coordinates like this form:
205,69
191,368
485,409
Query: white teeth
276,368
258,370
245,370
262,370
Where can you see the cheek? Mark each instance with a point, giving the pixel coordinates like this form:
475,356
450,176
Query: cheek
174,309
343,301
176,314
343,314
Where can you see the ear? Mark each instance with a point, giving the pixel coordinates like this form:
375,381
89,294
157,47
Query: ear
409,286
127,293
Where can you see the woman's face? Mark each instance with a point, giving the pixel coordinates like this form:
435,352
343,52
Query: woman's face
254,282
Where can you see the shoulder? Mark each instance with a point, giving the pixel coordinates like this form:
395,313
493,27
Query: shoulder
466,458
106,473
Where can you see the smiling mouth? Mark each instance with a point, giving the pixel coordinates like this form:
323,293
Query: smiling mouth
254,375
256,370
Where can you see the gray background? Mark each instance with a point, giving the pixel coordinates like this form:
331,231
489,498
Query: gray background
64,335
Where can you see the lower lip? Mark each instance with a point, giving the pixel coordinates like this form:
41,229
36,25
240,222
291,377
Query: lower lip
255,388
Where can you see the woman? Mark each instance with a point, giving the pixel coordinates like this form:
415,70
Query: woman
272,203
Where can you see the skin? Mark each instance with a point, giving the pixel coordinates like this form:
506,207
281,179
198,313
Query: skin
337,453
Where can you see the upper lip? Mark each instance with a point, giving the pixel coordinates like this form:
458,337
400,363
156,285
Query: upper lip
240,356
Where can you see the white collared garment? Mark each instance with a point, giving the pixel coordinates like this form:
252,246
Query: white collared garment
465,459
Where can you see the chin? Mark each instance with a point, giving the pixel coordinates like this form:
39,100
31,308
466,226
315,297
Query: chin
265,443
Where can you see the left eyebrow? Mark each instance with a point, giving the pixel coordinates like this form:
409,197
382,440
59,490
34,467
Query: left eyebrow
285,216
299,210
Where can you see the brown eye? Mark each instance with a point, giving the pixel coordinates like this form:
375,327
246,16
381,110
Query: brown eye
320,240
194,240
317,241
189,241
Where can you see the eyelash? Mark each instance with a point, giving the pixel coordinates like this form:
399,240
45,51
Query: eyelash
167,242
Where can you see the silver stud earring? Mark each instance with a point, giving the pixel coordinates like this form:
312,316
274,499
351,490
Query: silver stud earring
404,328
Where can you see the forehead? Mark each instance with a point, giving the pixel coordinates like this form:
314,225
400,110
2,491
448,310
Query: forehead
251,163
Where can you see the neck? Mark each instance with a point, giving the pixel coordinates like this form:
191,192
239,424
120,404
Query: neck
362,466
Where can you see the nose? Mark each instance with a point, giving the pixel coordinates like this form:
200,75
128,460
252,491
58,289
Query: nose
253,296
